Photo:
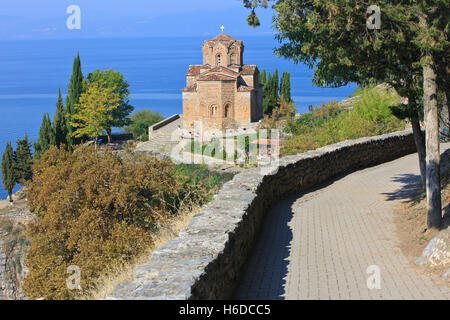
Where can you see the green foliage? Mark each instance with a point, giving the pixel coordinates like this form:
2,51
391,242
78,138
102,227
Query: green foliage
141,121
8,174
114,79
93,114
23,161
371,115
263,77
59,122
46,137
285,86
253,20
196,176
274,89
75,89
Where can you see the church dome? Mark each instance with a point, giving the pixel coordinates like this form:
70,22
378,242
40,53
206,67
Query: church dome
223,37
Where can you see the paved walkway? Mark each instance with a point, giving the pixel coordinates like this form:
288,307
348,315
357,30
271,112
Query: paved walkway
318,245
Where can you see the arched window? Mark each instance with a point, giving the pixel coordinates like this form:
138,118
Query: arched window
213,110
219,58
227,111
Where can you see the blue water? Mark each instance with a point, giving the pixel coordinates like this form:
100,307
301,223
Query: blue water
31,71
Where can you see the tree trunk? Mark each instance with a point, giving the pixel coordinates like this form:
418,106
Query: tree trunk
419,139
431,119
10,198
109,133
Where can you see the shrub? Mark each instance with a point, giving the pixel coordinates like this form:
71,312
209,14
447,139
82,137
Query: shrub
371,115
140,121
94,210
99,211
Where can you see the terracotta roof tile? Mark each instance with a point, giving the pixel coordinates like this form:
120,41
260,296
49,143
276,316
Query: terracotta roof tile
195,70
223,69
216,77
244,88
223,37
248,70
192,88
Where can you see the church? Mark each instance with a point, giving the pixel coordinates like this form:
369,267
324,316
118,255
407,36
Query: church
223,92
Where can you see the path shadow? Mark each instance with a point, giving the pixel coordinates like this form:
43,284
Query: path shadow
264,275
410,191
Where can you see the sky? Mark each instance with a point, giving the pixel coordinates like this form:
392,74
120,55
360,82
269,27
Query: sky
46,19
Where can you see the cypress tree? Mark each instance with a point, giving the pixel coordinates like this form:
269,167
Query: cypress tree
276,85
267,92
59,123
285,87
45,137
75,88
8,176
23,161
263,77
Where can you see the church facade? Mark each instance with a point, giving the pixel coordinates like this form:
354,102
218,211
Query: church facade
223,92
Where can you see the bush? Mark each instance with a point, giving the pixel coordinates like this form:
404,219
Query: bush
140,121
328,124
99,211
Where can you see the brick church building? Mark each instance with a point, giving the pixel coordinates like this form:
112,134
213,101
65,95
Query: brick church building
222,92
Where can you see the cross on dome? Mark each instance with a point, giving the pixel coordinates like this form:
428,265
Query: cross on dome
222,28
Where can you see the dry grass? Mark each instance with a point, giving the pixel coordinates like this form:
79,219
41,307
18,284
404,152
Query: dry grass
411,223
166,232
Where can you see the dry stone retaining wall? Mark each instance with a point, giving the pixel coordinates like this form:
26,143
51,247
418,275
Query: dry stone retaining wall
205,260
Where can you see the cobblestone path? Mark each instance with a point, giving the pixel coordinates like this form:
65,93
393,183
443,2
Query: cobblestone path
318,245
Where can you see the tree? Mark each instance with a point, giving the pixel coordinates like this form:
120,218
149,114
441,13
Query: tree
8,175
263,77
411,46
275,85
432,40
285,86
93,114
46,137
112,78
140,121
75,89
59,123
267,94
23,161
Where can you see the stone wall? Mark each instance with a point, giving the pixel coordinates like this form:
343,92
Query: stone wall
205,260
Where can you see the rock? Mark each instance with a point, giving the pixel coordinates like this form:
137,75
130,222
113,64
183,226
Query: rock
437,252
447,274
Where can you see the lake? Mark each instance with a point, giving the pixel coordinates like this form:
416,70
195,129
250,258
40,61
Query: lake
31,71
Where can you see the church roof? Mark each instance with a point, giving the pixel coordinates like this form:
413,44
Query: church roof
216,77
192,88
224,70
223,37
244,88
248,70
195,70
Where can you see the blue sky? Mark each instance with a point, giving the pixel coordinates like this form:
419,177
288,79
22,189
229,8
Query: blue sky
46,19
